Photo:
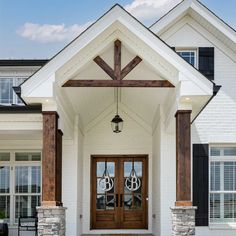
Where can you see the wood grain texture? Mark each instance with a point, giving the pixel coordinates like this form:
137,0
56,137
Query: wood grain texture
183,157
100,62
51,160
130,66
120,217
117,60
119,83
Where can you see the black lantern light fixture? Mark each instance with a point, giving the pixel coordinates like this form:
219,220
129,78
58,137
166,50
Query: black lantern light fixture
117,122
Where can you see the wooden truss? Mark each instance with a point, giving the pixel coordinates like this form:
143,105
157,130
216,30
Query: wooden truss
118,74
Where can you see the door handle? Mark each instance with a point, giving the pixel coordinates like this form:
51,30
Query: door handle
117,200
121,200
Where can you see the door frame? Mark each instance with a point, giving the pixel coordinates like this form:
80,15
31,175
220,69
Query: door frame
146,157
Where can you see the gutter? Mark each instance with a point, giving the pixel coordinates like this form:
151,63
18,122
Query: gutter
216,89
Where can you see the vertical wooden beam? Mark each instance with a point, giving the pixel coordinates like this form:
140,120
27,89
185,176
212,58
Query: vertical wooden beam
117,59
183,158
51,160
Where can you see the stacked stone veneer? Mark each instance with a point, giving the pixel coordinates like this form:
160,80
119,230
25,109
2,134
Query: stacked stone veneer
183,220
51,220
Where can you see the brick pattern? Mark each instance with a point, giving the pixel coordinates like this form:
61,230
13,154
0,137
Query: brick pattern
51,221
183,221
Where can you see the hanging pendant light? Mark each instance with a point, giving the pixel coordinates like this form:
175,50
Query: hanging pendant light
117,122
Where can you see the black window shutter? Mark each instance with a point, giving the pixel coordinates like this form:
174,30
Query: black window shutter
200,183
206,62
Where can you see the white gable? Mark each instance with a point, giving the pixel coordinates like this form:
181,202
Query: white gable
203,16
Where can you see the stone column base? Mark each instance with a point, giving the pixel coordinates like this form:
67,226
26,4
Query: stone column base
183,220
51,220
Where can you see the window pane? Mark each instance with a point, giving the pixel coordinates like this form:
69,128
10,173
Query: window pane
188,56
6,91
21,156
215,151
27,179
26,206
214,207
229,176
4,179
215,176
4,156
5,206
229,201
229,151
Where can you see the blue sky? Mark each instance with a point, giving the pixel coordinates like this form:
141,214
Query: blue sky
40,28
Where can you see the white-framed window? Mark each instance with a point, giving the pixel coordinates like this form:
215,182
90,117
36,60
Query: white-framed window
7,94
20,184
222,186
189,55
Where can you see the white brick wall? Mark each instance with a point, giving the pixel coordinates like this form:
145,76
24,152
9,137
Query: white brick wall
217,123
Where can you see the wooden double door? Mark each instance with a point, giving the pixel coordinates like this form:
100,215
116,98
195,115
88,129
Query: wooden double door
119,196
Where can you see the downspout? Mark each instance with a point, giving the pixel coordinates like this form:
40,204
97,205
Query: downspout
216,89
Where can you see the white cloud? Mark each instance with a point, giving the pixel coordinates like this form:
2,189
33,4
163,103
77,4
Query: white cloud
50,33
47,33
150,9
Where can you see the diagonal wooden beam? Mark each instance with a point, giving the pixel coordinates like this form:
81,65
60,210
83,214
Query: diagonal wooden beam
119,83
100,62
117,59
130,66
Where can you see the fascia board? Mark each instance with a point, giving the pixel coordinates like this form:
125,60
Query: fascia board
162,49
70,50
175,14
170,18
116,14
213,20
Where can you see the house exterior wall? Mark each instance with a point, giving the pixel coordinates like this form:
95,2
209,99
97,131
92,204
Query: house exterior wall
100,139
217,123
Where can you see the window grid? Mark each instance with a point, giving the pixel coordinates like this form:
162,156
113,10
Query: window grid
24,187
7,94
222,197
189,55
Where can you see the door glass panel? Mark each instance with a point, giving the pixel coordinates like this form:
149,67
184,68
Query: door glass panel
100,168
140,187
101,204
111,168
99,187
137,201
138,168
128,200
132,176
127,168
110,202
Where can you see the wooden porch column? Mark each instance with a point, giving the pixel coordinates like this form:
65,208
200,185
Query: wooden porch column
51,160
183,158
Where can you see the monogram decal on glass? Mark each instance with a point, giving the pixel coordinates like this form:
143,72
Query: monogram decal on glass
106,182
133,182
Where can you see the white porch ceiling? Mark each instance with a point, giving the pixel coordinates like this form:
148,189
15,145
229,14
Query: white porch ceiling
89,103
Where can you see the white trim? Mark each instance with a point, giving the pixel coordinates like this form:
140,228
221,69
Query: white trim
221,159
116,19
13,163
194,50
14,97
186,7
